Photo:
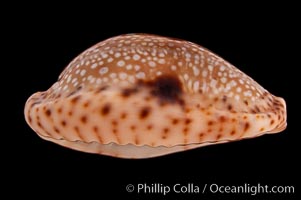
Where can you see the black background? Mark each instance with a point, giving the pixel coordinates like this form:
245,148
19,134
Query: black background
258,41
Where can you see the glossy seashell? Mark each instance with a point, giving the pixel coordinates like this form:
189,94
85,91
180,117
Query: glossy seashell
140,96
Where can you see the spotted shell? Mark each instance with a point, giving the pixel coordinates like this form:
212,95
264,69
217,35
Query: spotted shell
140,96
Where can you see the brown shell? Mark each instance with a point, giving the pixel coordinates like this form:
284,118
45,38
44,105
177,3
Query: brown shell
139,95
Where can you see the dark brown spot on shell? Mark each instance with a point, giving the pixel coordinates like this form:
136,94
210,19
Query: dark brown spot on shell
187,110
83,119
70,113
128,92
102,88
40,125
230,107
56,129
60,110
257,109
75,91
175,121
75,99
137,140
222,119
247,126
147,98
261,129
29,119
272,122
105,110
188,121
133,127
224,99
78,133
164,136
144,112
218,136
253,111
123,115
185,130
166,130
95,129
210,123
114,123
63,123
149,127
86,104
167,88
246,102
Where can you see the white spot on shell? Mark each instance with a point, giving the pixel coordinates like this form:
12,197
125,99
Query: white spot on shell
204,73
110,60
83,72
103,70
104,55
137,67
173,68
213,83
152,64
105,79
186,77
210,68
113,75
196,85
238,89
136,57
196,71
122,76
98,81
247,93
161,55
93,66
117,55
131,79
120,63
161,61
223,79
140,75
129,67
68,79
